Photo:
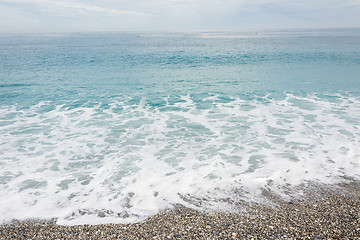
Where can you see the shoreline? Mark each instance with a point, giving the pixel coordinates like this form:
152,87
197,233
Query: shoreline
325,211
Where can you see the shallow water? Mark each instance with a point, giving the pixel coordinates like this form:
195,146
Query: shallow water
115,127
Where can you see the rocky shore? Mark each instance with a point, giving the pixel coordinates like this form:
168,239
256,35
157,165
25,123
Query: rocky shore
324,212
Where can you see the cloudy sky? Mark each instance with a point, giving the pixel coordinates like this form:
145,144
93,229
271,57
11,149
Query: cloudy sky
177,15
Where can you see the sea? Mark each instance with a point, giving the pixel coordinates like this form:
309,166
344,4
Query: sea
115,127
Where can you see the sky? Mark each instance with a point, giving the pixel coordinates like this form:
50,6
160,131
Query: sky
174,15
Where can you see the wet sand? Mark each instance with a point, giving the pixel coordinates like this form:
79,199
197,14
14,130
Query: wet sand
324,212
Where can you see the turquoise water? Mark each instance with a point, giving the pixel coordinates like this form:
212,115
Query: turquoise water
123,125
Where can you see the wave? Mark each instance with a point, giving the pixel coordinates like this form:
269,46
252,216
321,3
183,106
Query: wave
13,85
130,158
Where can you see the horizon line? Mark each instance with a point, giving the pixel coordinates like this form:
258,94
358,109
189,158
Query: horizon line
188,31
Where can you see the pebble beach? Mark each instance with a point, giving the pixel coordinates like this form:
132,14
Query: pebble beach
323,212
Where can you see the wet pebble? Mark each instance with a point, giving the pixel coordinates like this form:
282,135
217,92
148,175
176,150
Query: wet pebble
325,212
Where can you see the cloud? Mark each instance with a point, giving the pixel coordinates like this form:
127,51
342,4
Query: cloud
88,15
73,7
87,9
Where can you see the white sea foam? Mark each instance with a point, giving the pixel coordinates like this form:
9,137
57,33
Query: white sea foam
127,162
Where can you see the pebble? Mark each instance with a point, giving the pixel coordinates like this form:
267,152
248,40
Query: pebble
325,212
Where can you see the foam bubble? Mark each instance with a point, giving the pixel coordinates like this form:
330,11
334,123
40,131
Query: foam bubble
127,161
